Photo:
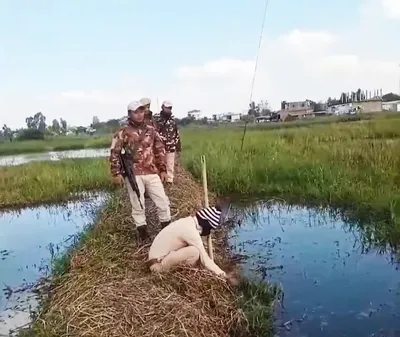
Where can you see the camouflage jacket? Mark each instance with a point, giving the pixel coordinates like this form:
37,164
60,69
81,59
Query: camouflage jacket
146,146
169,133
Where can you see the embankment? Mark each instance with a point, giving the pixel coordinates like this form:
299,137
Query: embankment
108,291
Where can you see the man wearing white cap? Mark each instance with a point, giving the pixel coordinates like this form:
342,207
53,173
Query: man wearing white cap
168,130
148,113
138,159
180,243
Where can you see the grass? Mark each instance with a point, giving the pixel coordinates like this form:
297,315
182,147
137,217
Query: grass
60,143
64,143
352,165
50,182
104,288
345,164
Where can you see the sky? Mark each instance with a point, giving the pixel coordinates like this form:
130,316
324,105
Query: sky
78,59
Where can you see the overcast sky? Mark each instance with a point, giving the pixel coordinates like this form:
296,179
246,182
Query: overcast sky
75,59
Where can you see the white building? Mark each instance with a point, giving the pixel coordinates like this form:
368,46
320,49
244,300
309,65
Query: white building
228,117
393,106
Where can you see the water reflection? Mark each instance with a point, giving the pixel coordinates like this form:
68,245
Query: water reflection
52,156
336,280
29,240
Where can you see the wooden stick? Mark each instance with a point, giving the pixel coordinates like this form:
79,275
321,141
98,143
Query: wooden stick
206,204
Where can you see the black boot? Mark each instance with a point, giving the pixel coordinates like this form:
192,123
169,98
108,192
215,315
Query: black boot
165,224
142,231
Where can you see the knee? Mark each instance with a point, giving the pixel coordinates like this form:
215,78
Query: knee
194,255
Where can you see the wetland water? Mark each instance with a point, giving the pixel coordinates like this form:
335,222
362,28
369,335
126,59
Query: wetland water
29,240
54,156
334,285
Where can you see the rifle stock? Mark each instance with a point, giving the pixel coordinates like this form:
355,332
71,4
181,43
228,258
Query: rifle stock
127,166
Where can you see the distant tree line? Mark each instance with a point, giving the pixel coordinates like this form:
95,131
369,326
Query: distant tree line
36,128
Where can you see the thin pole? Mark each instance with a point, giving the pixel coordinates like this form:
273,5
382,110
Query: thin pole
206,204
255,67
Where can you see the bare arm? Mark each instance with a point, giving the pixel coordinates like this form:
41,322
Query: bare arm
193,238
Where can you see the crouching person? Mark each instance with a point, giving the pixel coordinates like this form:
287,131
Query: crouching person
180,243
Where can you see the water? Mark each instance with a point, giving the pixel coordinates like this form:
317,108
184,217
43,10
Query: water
54,156
333,285
29,240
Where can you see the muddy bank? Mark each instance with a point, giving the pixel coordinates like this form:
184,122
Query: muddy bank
108,290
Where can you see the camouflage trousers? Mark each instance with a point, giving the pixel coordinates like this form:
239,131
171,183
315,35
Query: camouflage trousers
152,185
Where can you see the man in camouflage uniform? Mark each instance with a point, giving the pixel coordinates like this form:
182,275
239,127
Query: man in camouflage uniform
168,130
149,166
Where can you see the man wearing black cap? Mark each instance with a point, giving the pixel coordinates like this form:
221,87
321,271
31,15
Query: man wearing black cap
180,243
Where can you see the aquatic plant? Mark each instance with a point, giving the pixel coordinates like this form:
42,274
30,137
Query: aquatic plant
50,182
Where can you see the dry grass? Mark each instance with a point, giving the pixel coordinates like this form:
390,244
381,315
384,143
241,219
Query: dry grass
109,292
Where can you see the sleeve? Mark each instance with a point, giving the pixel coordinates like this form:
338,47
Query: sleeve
177,139
159,153
194,239
115,151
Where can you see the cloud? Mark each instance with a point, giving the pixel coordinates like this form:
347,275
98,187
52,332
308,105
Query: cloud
392,8
295,65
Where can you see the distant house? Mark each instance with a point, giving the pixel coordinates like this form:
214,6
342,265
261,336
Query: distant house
392,106
341,109
370,105
297,109
231,117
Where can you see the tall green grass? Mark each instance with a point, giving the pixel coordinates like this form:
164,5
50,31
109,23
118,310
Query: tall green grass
353,165
60,143
48,182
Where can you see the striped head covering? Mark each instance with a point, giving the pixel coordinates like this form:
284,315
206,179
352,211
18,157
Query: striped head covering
210,214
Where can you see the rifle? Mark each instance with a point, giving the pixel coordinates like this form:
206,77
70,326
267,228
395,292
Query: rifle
127,168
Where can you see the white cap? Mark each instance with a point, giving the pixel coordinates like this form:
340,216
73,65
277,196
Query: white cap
134,105
167,104
145,101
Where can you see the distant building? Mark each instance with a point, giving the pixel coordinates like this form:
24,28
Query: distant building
231,117
370,105
297,109
195,114
393,106
341,109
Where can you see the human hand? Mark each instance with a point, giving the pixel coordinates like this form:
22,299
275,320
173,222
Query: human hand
233,279
118,180
163,177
